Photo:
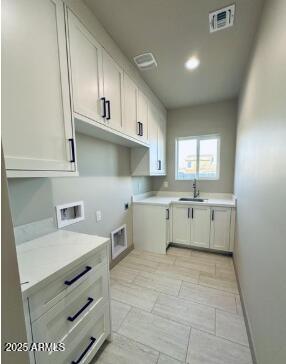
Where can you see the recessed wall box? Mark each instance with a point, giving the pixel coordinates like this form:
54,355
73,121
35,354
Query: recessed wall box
69,213
118,241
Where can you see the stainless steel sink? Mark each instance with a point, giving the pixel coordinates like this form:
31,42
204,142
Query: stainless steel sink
192,199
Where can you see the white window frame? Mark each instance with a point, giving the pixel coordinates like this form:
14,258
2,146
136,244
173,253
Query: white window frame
198,138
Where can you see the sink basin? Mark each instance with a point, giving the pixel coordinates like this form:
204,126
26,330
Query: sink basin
192,199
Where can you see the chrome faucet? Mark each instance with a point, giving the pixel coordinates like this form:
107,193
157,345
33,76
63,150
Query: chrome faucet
195,189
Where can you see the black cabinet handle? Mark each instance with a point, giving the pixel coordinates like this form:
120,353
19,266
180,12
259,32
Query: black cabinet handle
92,341
104,107
167,214
76,278
142,130
159,165
189,210
138,128
108,109
192,213
72,318
71,141
212,215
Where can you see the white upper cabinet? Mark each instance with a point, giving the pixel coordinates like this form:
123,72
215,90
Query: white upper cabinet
86,70
200,226
181,225
220,228
112,91
142,116
37,127
162,145
130,124
152,161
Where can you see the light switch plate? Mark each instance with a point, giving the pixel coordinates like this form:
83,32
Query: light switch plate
166,184
98,216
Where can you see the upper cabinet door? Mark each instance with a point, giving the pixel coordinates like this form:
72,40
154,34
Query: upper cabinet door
162,145
143,115
200,226
220,228
113,91
153,142
130,124
37,121
86,70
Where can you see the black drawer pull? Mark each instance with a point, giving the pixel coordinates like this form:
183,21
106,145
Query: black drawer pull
89,301
69,283
92,341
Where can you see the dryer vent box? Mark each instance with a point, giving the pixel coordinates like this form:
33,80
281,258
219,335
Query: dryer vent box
222,18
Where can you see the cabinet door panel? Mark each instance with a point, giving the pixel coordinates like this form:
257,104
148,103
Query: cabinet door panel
181,225
86,70
153,142
113,91
200,226
143,114
220,228
161,145
130,124
36,117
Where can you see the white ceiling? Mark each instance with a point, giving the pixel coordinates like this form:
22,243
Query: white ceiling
174,30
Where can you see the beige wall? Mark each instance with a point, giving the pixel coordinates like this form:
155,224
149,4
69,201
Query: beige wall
215,118
104,183
260,181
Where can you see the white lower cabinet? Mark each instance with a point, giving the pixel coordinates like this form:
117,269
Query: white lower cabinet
181,225
77,315
220,228
151,227
203,226
200,226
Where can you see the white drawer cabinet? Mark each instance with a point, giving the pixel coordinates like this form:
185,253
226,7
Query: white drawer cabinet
72,305
37,126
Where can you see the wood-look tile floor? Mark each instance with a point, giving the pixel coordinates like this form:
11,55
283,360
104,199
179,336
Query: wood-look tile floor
183,307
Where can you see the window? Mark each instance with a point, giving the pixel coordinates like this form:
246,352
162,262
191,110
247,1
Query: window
198,157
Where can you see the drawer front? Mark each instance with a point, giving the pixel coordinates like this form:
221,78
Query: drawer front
62,319
82,343
53,292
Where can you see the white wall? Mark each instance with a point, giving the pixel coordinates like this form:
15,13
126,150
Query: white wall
215,118
260,182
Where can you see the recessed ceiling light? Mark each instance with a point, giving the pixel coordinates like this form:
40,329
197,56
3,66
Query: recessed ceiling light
192,63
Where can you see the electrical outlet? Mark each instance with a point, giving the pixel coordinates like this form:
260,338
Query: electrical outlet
166,184
98,216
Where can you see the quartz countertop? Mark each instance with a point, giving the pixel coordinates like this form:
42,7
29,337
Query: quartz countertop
223,200
44,257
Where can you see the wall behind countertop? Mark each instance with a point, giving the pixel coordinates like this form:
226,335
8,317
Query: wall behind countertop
214,118
104,184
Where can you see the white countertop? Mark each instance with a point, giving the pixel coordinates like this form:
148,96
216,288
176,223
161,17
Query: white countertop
41,258
223,200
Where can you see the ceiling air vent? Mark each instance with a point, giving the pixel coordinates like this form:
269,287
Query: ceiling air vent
145,61
222,18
